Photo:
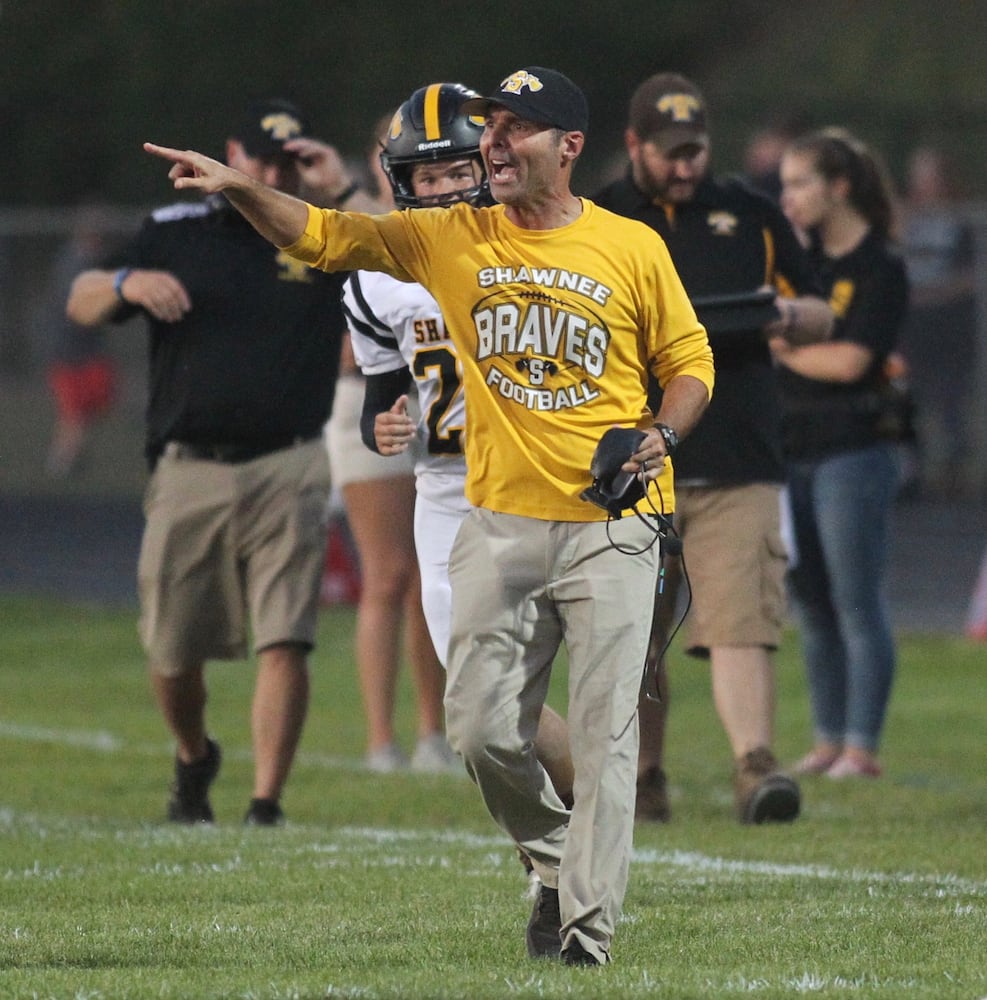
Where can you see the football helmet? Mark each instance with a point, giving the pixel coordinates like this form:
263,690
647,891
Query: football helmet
428,127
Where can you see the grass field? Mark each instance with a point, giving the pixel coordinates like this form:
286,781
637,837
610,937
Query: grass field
401,887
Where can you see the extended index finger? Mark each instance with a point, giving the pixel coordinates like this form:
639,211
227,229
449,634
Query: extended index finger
166,152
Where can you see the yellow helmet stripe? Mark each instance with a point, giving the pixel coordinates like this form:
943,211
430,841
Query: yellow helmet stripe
433,129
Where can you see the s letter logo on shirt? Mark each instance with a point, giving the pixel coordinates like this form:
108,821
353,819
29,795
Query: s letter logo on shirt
544,351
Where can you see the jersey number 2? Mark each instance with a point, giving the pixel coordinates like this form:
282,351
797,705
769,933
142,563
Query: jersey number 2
440,364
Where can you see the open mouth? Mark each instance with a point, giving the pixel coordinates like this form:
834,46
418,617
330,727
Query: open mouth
502,172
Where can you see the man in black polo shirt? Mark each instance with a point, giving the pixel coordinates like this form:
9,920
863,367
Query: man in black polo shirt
244,352
726,242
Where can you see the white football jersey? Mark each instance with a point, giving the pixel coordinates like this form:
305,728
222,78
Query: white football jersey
397,324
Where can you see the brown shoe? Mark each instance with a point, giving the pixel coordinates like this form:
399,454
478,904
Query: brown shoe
651,804
763,794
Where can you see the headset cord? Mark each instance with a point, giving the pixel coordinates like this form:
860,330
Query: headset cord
671,545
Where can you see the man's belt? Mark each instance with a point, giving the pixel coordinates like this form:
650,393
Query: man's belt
232,454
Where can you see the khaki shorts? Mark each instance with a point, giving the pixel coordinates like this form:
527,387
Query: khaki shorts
736,561
226,541
350,460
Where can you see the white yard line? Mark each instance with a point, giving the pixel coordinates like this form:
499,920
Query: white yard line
691,861
685,861
367,840
105,742
90,739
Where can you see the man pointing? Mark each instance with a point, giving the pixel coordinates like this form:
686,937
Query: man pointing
558,311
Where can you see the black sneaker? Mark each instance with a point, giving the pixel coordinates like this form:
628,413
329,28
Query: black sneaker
189,802
264,812
543,936
576,954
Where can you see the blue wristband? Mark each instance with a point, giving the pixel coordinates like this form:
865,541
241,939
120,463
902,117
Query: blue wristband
119,278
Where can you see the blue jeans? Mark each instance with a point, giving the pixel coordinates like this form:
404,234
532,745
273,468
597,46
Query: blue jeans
840,509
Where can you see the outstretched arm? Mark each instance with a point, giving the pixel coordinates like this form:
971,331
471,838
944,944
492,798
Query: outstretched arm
278,217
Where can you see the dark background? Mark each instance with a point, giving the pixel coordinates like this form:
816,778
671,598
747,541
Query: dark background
84,82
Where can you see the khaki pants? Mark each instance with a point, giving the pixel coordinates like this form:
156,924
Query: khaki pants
521,587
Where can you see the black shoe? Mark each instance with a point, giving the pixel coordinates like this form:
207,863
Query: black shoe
763,793
651,803
264,812
576,954
189,802
543,936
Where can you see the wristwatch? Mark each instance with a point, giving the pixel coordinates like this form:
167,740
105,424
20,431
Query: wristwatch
669,436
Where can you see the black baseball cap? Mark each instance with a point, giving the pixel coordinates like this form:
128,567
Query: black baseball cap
670,111
538,95
266,126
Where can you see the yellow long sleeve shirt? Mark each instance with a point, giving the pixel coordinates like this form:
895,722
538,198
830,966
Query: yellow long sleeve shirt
556,330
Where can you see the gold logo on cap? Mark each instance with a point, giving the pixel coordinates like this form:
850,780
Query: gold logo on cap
516,82
680,107
281,126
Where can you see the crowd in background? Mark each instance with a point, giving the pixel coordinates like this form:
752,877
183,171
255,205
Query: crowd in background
939,343
937,358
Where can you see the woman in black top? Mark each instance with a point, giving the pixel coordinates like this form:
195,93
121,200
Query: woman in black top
842,465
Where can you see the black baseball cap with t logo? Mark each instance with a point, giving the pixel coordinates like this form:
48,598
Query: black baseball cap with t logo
669,111
540,95
267,125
